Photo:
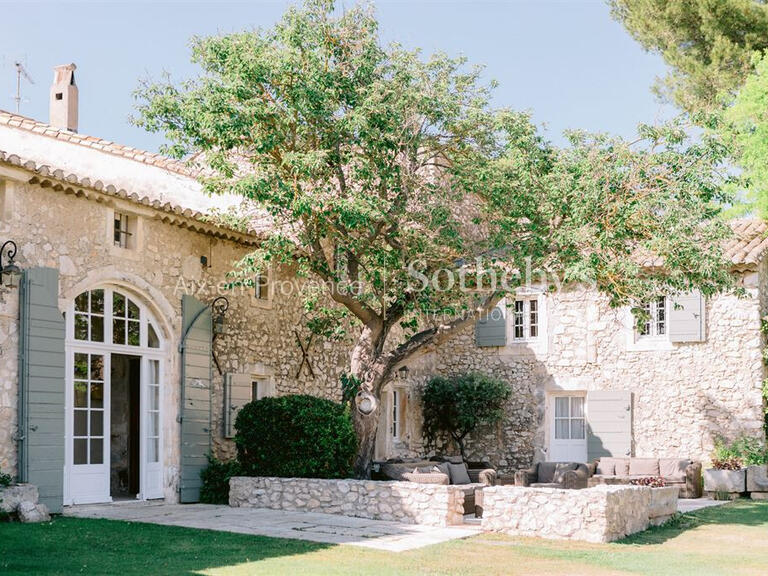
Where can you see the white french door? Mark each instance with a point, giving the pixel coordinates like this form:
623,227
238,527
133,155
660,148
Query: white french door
102,322
151,436
87,427
568,432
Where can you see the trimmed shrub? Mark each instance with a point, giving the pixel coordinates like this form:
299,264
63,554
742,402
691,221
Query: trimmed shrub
455,406
295,436
215,477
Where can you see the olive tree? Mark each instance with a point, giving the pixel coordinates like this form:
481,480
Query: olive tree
390,178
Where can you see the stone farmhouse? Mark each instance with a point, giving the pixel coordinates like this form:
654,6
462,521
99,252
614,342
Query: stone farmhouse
120,371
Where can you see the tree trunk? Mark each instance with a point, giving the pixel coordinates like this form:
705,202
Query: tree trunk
366,427
371,371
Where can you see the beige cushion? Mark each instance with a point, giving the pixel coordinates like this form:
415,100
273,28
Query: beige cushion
606,467
622,467
673,468
421,478
545,485
643,466
546,472
458,473
561,469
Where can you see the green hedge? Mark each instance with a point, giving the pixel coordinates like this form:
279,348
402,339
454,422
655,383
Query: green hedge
215,477
295,436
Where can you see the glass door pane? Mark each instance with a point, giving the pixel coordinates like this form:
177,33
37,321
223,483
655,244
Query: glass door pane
88,409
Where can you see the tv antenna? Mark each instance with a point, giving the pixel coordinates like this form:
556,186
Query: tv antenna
20,71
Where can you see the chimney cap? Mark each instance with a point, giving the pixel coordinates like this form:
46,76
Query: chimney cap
64,73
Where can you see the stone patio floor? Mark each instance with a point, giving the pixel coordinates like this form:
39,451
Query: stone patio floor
315,527
325,528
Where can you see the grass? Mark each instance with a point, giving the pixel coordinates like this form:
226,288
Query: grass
731,539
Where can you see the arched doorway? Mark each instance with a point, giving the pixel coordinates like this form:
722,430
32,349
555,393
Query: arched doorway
115,354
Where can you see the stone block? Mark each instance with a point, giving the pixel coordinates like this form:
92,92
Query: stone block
30,513
725,480
757,478
12,496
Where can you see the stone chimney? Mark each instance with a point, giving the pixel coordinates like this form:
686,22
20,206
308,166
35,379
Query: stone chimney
63,111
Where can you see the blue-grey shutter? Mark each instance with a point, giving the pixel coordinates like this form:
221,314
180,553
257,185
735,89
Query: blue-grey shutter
195,396
237,393
42,370
609,424
686,318
491,328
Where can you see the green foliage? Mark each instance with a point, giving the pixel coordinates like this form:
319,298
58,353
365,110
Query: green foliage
350,386
295,436
457,405
708,45
741,452
746,127
5,479
215,477
369,158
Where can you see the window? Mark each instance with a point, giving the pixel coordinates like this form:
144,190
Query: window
261,287
259,389
106,316
396,414
126,323
399,399
656,321
88,413
153,412
124,230
525,320
89,316
569,418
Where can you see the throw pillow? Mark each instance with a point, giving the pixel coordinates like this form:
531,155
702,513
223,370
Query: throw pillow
458,473
560,470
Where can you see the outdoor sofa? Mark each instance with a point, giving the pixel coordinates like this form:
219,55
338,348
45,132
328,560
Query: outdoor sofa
444,470
564,475
680,472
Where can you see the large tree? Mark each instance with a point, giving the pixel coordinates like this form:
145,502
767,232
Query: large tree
378,165
708,44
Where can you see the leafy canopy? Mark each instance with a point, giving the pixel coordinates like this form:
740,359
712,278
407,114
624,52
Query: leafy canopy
709,44
456,406
367,159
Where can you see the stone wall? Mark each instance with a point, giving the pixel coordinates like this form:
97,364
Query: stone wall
406,502
684,394
72,233
600,514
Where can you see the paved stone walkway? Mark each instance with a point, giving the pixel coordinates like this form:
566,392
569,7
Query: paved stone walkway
690,505
325,528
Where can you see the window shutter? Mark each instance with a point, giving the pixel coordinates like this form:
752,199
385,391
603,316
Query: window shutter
609,424
237,393
195,396
41,395
686,318
491,328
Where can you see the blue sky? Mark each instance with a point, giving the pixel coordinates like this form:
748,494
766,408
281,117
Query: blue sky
567,62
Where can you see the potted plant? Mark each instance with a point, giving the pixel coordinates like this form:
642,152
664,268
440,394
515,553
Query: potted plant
727,478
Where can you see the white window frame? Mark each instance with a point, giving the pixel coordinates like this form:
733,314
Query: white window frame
527,344
657,325
256,300
653,341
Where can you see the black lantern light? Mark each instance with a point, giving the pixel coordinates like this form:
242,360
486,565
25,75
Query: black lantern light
9,269
219,306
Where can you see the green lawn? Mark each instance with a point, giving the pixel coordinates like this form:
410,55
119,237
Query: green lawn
732,539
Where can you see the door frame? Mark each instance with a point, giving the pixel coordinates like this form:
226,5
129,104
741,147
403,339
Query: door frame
550,419
149,487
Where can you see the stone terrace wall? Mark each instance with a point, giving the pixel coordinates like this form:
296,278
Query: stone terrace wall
405,502
600,514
